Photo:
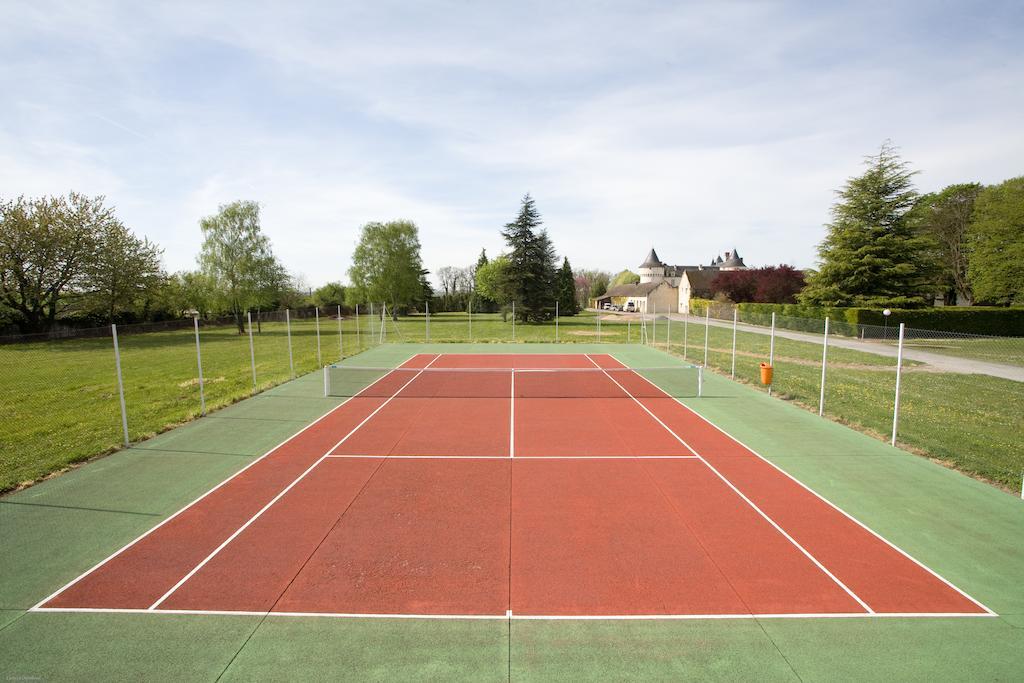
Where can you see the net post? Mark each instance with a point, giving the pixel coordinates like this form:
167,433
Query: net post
771,351
252,351
319,357
427,305
556,321
120,385
707,332
359,341
341,341
896,400
824,364
199,365
288,327
327,383
735,318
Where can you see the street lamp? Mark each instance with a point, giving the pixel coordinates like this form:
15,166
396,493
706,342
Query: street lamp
885,334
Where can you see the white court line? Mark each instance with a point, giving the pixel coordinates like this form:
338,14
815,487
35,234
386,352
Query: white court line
523,457
120,550
281,494
825,500
512,419
749,502
523,617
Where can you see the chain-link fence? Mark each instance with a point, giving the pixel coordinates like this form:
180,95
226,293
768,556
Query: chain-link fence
951,396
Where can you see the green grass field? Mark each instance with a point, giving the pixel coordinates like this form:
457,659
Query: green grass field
60,397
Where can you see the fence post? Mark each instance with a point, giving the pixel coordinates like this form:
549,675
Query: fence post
199,364
341,342
700,380
654,324
427,304
668,332
120,386
359,341
556,321
896,402
686,324
707,332
252,350
319,356
771,354
288,326
383,317
513,321
824,364
327,383
735,317
629,329
471,319
599,326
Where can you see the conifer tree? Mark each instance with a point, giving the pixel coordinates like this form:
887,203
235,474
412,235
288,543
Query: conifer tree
531,263
567,303
871,255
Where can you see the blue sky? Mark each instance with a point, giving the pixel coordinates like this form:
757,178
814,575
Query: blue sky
692,127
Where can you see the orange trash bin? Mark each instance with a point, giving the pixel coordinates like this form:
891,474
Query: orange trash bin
766,373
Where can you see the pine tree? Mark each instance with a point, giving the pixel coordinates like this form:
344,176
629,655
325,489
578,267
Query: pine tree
567,303
871,254
532,263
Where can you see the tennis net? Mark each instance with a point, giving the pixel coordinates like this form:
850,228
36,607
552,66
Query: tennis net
658,382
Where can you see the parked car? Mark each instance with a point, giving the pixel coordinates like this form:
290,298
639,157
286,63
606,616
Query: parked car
607,307
630,307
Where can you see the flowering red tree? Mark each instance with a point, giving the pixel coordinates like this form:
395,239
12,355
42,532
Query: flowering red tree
768,285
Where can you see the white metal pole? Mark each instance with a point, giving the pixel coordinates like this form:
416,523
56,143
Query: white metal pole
319,357
654,323
735,317
700,380
288,326
120,385
199,364
359,340
427,304
896,402
471,320
513,321
629,329
707,332
599,326
668,333
771,353
686,318
824,364
556,320
341,341
252,350
327,383
383,317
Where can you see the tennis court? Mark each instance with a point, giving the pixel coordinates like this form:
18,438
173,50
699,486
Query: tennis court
506,487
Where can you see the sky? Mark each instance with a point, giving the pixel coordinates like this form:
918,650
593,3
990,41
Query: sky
690,127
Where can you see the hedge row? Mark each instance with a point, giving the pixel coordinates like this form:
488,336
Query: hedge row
1004,322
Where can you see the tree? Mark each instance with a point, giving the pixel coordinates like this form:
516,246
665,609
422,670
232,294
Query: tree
871,255
237,256
769,285
480,302
494,282
589,285
531,263
386,265
330,295
566,290
945,218
626,277
122,271
46,245
996,244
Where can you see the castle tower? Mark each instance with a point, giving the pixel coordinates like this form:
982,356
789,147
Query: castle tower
652,269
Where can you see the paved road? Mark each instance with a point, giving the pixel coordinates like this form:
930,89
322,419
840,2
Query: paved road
944,363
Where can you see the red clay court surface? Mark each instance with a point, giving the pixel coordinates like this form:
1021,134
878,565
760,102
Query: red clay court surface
513,506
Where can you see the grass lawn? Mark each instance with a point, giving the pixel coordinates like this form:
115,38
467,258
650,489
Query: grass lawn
971,421
60,398
1009,350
